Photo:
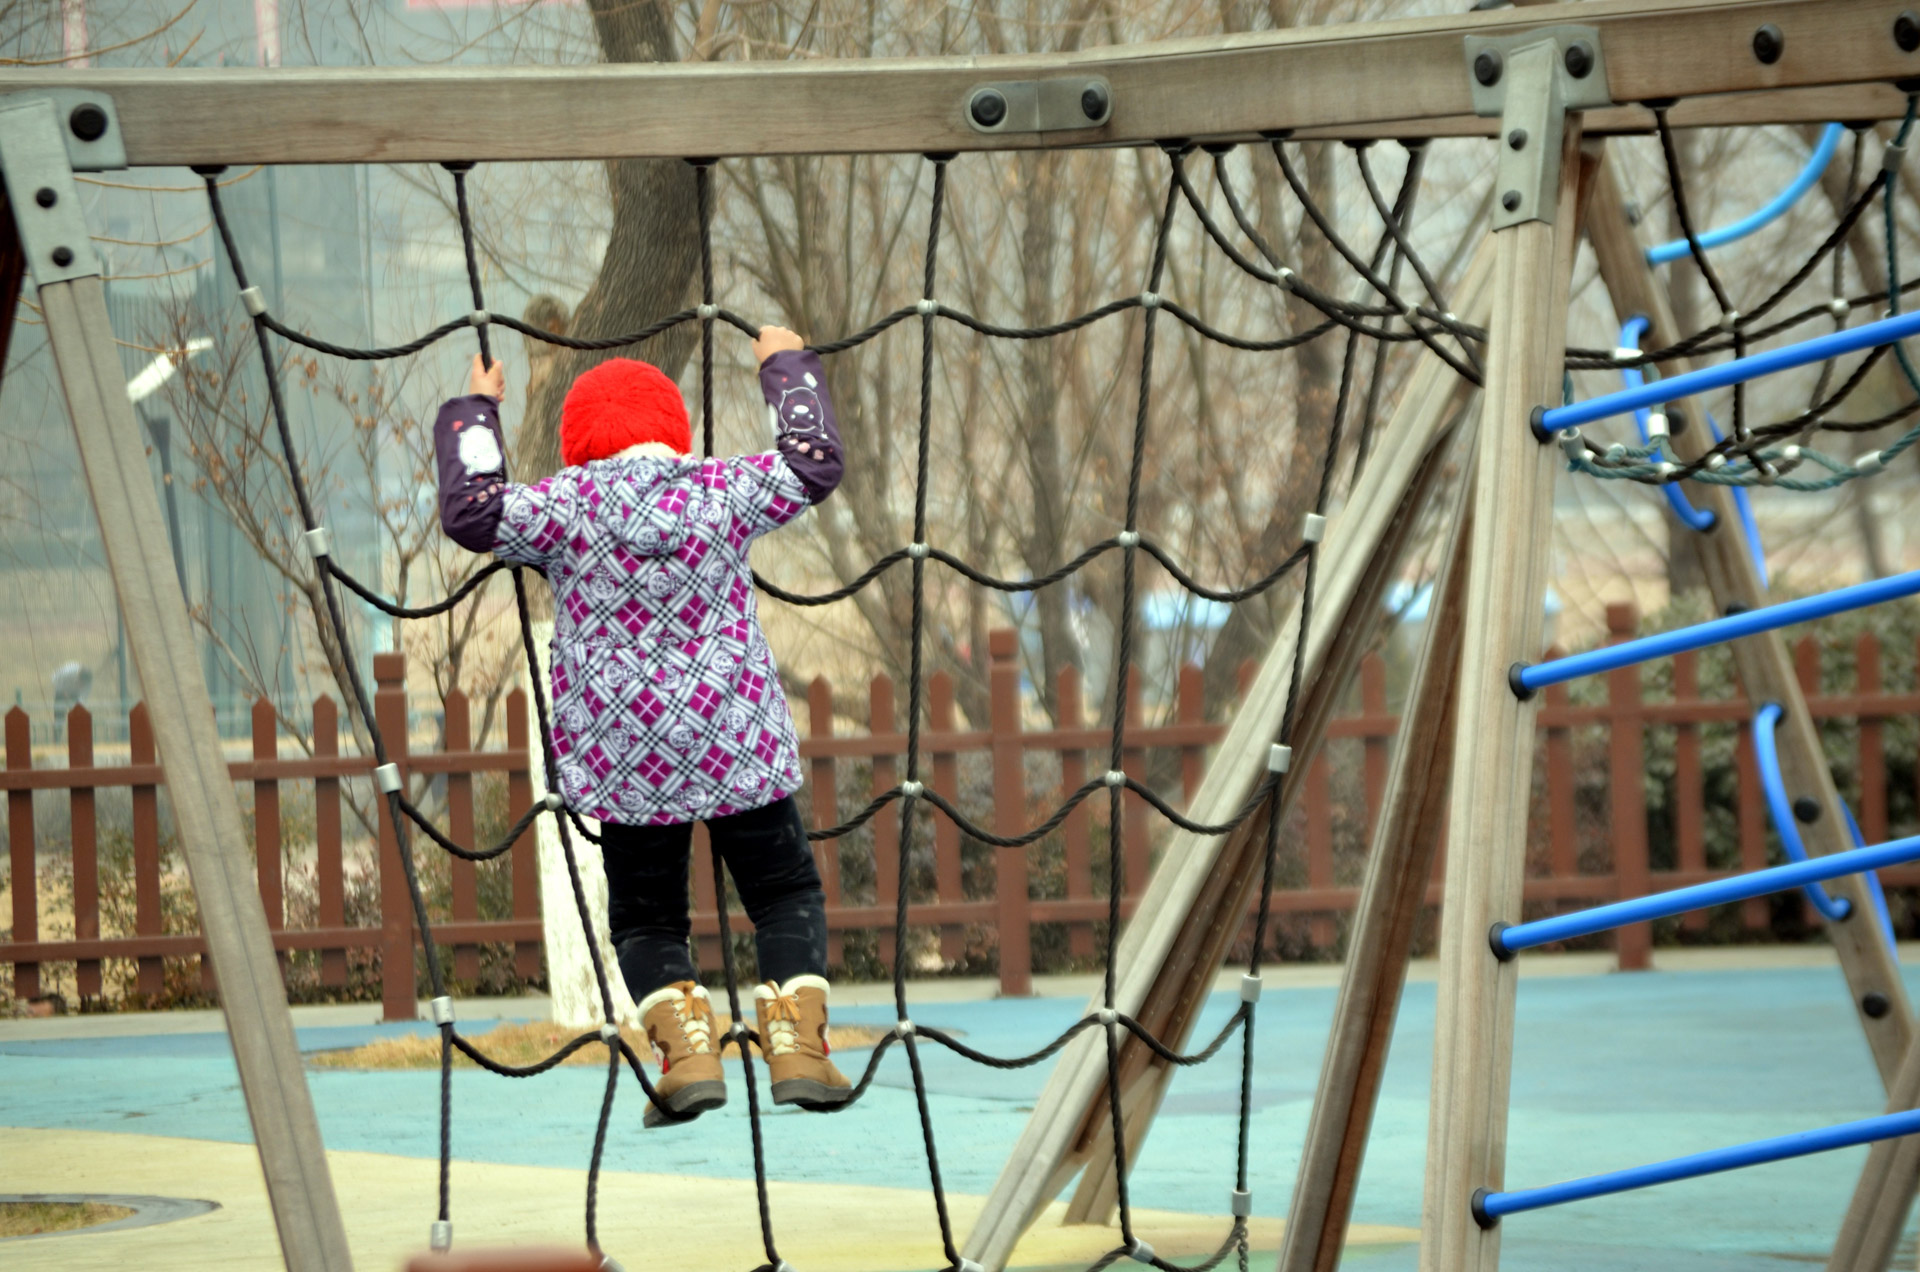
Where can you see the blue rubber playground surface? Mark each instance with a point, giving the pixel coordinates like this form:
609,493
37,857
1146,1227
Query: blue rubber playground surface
1609,1071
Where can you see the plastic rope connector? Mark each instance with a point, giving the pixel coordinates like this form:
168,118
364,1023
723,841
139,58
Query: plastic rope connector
553,801
442,1008
479,318
253,301
1715,462
1892,158
1730,320
1140,1251
1313,528
903,1028
610,1264
926,307
1279,758
783,1266
740,1033
1149,300
707,312
609,1032
1249,989
1286,276
1656,425
1128,538
913,790
1573,444
1107,1016
968,1265
386,778
319,542
1241,1203
919,551
1625,353
1841,308
1871,462
440,1236
1114,777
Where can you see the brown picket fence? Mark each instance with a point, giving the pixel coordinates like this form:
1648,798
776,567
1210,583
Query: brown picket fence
1567,867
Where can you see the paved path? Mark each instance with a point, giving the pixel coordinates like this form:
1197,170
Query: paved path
1610,1070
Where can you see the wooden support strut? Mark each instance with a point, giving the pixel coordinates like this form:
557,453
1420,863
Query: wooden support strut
113,456
1885,1191
1494,731
1399,864
1196,900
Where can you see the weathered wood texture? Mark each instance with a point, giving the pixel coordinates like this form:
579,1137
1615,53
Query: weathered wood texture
1197,897
1399,865
272,1077
1494,734
1354,80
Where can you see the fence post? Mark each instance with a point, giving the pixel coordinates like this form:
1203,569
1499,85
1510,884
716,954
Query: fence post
86,856
266,820
20,844
826,809
1192,704
1563,836
1373,705
464,879
1009,812
151,978
1873,755
1689,783
1137,830
527,955
329,867
948,878
397,998
886,826
1319,809
1077,830
1626,756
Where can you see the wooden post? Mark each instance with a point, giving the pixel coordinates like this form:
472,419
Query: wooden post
151,979
527,955
21,840
1689,783
1195,904
329,866
886,827
1399,863
113,457
397,998
1507,561
1627,793
1077,831
826,807
1009,813
1320,928
86,852
948,878
266,818
463,879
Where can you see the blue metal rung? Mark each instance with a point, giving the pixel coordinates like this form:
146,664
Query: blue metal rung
1780,808
1527,679
1490,1207
1508,940
1738,371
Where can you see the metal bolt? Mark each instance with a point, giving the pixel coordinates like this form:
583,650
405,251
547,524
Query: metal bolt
1517,139
1875,1004
1094,102
1906,31
1807,809
63,256
45,197
988,107
1769,44
88,122
1487,68
1510,200
1579,59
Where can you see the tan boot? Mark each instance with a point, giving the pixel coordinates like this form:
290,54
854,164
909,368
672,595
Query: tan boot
793,1037
679,1024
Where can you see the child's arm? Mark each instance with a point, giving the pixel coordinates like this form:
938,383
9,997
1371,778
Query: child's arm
795,386
472,467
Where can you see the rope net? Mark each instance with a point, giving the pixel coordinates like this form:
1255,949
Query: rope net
1390,317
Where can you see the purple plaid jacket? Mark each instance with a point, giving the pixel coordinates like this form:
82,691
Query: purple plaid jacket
667,703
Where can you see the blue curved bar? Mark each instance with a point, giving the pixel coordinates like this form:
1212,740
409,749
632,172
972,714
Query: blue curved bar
1695,518
1800,1144
1739,371
1781,810
1664,905
1718,630
1776,208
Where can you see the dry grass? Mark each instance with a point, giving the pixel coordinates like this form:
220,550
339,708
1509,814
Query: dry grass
31,1218
527,1044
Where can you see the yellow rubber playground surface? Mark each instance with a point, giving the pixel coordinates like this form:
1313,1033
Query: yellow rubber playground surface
1717,1048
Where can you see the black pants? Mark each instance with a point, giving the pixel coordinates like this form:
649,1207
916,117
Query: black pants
766,852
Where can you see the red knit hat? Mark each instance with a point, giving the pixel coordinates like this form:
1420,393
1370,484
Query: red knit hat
618,404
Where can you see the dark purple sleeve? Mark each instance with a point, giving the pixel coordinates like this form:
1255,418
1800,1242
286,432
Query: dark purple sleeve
805,433
472,470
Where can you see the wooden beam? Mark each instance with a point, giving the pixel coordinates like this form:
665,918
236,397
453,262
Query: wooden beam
1399,865
1198,897
272,1077
1512,509
1334,78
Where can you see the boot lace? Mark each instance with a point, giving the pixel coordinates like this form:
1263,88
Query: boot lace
783,1025
696,1025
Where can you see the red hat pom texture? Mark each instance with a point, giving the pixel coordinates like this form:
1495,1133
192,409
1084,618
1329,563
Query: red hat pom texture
618,404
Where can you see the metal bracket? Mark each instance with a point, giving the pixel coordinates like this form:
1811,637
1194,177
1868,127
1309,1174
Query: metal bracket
1028,106
42,194
88,124
1531,81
